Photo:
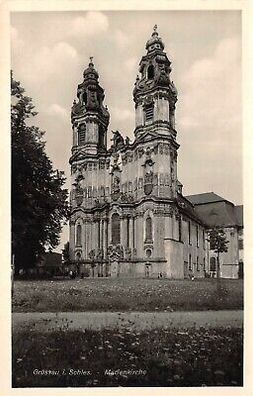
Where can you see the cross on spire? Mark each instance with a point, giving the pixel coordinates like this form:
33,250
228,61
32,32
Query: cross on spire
155,28
91,59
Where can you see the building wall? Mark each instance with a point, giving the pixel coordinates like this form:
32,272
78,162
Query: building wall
229,261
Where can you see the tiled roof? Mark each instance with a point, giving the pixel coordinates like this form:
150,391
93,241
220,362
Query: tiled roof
239,214
216,211
198,199
187,208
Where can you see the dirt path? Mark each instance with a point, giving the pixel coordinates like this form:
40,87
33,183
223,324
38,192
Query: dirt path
49,321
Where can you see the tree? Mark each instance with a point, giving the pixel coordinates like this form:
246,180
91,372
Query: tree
218,243
39,201
66,253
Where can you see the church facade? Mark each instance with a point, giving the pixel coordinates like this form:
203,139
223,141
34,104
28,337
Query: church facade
129,217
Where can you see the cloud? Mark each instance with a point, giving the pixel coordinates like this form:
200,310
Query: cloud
49,61
92,23
209,121
212,96
121,114
131,64
121,39
16,42
57,110
38,63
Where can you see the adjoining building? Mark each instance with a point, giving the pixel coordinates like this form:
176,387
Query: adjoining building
218,212
129,217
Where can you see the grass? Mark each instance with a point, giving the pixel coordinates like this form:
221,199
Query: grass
161,357
126,295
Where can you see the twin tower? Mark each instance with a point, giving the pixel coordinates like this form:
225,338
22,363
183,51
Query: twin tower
127,208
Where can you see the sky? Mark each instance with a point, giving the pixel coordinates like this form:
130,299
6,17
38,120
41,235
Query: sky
50,50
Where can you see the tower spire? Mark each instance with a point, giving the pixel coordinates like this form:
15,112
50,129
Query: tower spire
154,93
90,118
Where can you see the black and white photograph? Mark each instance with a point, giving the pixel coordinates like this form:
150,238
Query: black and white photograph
127,220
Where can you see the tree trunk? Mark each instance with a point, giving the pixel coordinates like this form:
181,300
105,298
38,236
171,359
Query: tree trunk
218,274
12,274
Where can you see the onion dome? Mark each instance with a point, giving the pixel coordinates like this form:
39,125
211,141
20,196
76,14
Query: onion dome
155,42
90,72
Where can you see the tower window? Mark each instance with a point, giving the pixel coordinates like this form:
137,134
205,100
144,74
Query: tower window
115,229
84,98
151,72
149,112
81,134
149,236
101,137
78,235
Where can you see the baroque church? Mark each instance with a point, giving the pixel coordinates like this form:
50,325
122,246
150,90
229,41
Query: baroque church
129,217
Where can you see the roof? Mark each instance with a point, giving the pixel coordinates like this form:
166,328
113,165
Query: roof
199,199
216,211
187,208
239,214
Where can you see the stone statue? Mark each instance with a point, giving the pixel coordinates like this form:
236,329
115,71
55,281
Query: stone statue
118,140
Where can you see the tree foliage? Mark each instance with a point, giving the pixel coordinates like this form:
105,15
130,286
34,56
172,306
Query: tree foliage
66,253
39,201
218,243
218,240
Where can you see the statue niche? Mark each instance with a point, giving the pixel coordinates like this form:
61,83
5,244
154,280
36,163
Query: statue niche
79,191
148,172
115,181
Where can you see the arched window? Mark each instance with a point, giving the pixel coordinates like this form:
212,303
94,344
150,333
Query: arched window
115,229
149,236
198,268
212,264
190,262
78,235
84,98
151,72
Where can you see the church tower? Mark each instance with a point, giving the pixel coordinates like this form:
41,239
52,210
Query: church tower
89,117
128,215
155,94
89,169
155,98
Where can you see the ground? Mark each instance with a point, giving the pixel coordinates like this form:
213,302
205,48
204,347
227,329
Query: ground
161,357
160,332
126,295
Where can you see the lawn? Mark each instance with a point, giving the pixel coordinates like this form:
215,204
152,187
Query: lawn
160,357
106,294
